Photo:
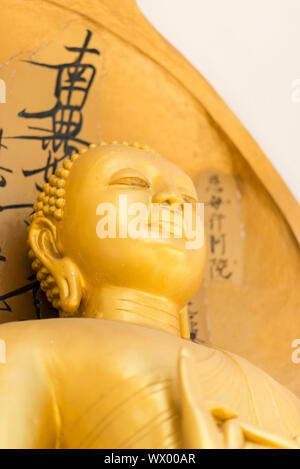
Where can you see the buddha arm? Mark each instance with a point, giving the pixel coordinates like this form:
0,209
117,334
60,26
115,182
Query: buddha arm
28,417
208,424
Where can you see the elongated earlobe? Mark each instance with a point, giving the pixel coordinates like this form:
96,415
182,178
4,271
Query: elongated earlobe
70,288
60,277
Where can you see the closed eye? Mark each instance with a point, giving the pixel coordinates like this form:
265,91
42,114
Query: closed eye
131,181
188,199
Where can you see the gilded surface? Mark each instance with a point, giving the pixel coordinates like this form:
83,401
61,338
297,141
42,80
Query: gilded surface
143,90
123,373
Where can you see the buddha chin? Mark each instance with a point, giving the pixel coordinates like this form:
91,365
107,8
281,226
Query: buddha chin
175,272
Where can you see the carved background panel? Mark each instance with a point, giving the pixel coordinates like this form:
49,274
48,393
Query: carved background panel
136,87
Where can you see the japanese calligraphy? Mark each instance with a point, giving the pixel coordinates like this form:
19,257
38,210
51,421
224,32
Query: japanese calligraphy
57,130
73,82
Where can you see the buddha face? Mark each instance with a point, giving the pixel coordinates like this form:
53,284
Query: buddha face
160,266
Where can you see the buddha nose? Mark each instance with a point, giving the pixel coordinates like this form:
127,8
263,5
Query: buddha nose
169,196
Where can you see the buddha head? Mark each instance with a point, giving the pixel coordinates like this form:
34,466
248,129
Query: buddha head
84,274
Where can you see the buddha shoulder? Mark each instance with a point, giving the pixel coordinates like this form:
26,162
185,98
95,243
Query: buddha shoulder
95,340
120,348
82,359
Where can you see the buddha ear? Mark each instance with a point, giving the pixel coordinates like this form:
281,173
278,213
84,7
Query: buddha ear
43,242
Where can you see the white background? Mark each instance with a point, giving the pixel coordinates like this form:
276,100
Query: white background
249,51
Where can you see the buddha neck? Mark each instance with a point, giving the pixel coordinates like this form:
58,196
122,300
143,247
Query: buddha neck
132,306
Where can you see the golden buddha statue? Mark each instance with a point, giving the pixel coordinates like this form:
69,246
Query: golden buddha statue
131,379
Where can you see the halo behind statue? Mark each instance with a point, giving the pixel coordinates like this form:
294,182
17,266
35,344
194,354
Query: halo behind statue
100,71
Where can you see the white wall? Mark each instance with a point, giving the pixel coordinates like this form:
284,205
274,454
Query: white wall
249,51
